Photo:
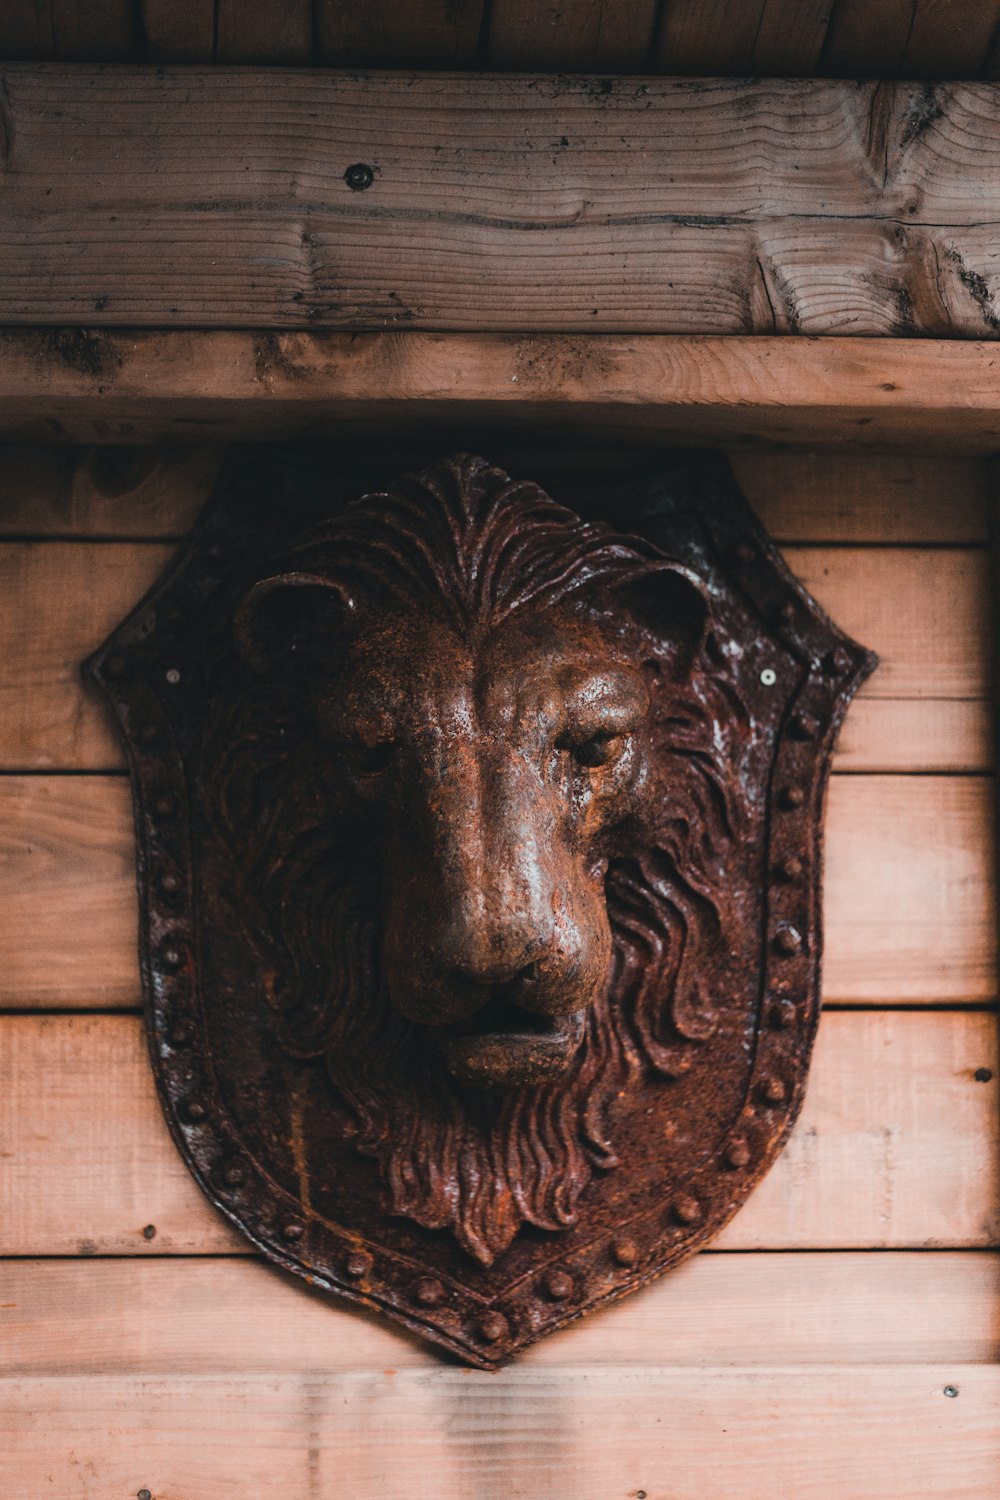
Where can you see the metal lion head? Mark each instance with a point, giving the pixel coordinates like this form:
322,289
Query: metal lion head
479,844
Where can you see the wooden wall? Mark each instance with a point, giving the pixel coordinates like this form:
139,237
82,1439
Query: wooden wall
890,38
840,1341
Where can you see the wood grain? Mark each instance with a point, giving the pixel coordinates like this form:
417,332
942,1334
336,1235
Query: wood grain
909,900
558,203
924,611
58,602
579,36
91,386
800,494
569,1434
213,1316
385,34
67,892
897,1146
909,904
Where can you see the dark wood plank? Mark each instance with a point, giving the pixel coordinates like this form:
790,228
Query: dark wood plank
603,36
85,32
802,495
263,31
909,38
759,38
790,37
181,31
707,37
950,38
386,34
26,31
867,38
550,203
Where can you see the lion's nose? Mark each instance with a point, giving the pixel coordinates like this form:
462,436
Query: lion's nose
513,980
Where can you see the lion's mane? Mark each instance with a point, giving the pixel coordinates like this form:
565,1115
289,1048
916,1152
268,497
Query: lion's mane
465,540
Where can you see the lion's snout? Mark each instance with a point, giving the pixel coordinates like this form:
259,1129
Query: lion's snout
500,962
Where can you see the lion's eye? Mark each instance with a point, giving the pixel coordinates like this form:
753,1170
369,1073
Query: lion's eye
598,750
365,762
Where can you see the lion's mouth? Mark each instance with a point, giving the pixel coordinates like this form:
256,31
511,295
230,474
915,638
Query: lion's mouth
505,1045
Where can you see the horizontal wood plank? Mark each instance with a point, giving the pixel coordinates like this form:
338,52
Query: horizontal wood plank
909,904
212,1316
876,498
97,386
67,892
925,611
58,602
801,495
570,1433
551,203
897,1146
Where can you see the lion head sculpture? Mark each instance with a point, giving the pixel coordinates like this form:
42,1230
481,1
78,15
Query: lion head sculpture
488,835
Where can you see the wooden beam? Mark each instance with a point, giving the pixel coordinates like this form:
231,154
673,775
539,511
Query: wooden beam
94,386
189,1316
222,198
898,1145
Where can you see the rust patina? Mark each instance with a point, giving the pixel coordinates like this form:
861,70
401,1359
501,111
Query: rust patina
479,833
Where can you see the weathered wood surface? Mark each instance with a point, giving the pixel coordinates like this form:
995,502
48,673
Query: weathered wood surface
757,38
909,902
800,494
219,199
924,611
99,386
897,1146
568,1433
216,1315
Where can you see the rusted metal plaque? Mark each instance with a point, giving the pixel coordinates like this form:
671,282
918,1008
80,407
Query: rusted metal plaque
479,836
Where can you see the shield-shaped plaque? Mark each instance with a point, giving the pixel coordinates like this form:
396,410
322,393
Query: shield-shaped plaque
479,833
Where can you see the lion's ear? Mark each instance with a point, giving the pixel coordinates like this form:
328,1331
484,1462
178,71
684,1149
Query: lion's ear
289,619
671,604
